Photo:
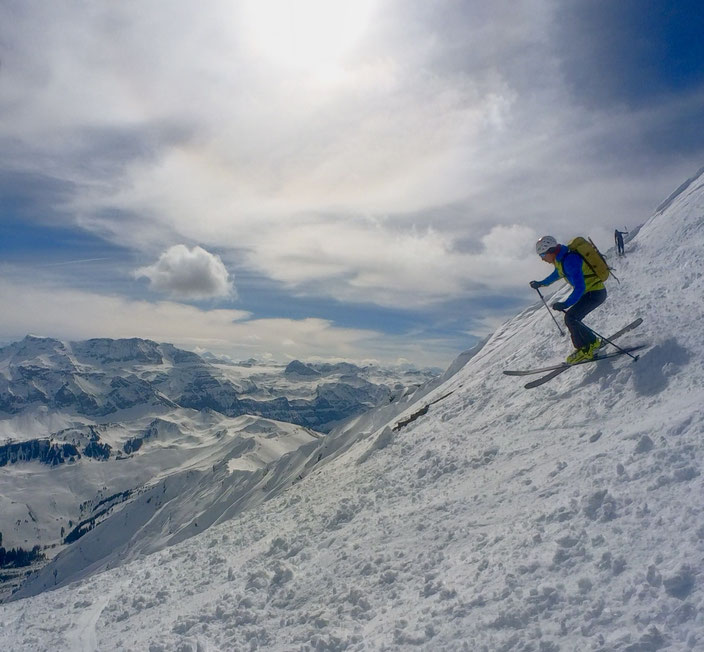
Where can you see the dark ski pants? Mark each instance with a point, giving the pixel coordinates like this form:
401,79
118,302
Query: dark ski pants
580,335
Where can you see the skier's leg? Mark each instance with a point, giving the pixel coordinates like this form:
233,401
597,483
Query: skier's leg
581,337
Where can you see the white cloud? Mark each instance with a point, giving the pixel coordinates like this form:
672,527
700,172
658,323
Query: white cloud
383,264
189,274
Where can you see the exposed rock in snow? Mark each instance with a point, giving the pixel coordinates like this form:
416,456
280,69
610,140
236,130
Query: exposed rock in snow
297,368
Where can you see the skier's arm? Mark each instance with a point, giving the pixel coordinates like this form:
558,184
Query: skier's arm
549,280
572,267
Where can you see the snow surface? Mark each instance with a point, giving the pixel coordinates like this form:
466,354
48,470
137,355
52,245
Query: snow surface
569,517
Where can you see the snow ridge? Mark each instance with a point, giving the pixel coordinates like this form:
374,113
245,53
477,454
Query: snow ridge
668,202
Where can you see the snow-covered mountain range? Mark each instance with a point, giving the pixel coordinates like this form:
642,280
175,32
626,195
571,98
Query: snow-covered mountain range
473,515
100,377
90,428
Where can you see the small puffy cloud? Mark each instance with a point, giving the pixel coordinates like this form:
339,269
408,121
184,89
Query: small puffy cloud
189,274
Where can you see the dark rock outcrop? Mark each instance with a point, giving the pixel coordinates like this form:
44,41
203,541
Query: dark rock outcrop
297,368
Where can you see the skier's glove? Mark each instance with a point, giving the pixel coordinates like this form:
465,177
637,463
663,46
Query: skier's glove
558,305
535,284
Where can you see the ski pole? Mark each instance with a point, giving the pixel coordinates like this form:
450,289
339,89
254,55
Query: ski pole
548,309
605,339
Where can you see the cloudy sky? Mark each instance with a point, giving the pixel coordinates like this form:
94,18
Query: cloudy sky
359,179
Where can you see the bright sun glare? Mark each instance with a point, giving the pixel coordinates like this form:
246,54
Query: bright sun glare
310,35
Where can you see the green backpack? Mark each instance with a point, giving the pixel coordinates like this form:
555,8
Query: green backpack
592,256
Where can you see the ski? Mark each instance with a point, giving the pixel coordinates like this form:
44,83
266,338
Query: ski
564,365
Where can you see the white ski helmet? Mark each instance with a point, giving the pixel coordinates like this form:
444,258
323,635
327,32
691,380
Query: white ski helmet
544,245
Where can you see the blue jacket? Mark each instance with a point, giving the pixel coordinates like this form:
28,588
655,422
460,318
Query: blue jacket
571,265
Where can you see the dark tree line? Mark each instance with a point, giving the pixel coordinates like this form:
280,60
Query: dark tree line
17,557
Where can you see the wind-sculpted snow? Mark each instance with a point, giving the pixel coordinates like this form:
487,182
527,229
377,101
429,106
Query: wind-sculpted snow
564,518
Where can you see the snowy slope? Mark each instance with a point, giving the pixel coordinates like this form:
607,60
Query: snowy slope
569,517
214,476
81,422
96,513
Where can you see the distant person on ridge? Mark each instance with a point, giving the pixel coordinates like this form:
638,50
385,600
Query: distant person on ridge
588,293
618,238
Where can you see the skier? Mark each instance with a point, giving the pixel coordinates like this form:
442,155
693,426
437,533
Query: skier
618,238
587,294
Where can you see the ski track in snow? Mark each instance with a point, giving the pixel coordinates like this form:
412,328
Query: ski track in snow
569,517
84,636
